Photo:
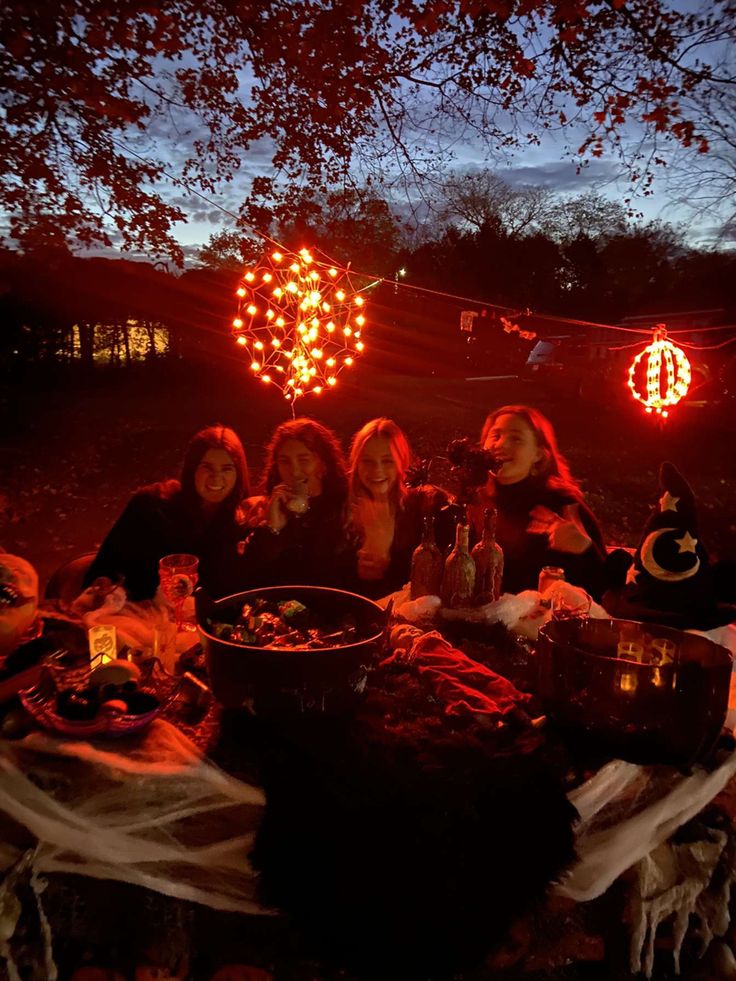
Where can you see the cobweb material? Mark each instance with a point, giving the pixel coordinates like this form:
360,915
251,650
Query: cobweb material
156,814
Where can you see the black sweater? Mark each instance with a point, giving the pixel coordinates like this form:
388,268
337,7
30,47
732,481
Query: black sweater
157,521
525,553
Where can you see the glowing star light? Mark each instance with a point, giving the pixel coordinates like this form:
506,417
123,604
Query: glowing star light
665,371
300,321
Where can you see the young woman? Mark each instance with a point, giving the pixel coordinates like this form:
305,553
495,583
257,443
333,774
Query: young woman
542,517
199,514
297,526
386,516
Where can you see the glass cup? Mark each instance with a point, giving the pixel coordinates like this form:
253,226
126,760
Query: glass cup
178,577
298,503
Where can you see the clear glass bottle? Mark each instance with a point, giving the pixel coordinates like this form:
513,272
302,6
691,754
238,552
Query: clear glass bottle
458,582
488,557
549,574
427,564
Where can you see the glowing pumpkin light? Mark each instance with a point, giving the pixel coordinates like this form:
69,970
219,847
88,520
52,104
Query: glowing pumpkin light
660,375
282,323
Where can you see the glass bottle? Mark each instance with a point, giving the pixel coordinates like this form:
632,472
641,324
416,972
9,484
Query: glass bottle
488,557
458,582
549,574
427,564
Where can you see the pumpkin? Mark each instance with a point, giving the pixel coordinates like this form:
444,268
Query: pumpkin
18,601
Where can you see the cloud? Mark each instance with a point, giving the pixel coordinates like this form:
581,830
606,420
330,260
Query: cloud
563,175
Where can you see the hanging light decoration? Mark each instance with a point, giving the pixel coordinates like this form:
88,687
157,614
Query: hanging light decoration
664,371
299,322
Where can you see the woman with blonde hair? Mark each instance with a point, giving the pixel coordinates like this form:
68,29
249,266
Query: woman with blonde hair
543,519
386,515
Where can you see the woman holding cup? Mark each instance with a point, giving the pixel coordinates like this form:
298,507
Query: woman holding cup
199,515
297,525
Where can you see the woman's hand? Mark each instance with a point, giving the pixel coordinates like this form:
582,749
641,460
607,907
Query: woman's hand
376,523
565,532
277,513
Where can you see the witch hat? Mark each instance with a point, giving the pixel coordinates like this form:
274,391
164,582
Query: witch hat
671,579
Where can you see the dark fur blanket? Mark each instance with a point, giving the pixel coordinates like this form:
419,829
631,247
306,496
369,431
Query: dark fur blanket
401,844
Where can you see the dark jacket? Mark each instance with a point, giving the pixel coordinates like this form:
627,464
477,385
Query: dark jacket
304,553
524,553
158,521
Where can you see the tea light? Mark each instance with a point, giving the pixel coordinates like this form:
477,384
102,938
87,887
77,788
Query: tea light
102,644
627,682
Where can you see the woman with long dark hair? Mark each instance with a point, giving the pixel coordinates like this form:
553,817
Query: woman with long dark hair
543,519
199,514
298,524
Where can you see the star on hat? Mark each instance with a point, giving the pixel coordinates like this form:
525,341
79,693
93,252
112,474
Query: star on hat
687,543
667,502
671,580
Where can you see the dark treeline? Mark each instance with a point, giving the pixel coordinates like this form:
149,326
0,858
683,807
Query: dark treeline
57,309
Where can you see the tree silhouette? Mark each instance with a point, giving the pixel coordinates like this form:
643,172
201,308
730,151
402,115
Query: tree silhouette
101,101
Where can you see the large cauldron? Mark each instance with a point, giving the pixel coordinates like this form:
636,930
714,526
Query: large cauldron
240,672
667,712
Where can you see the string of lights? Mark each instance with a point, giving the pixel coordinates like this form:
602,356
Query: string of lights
301,316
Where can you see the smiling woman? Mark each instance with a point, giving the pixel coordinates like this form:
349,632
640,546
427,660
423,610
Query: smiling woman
297,525
200,515
386,516
542,517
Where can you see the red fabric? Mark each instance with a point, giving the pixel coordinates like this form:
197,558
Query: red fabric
462,685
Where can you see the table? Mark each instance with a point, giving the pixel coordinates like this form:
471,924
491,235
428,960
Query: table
156,813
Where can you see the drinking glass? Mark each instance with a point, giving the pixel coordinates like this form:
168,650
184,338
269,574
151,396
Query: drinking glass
178,577
298,503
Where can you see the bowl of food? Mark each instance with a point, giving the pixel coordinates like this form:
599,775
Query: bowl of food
644,692
110,700
307,641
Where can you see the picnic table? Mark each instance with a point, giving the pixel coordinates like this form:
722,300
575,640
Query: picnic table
159,811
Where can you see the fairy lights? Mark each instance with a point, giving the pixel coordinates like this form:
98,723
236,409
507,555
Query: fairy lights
667,375
299,321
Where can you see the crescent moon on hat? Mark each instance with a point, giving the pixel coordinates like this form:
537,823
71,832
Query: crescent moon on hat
654,568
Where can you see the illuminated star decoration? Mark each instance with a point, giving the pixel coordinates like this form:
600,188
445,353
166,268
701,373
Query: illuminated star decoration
299,322
667,374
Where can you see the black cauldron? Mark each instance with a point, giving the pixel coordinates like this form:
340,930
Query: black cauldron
241,673
668,707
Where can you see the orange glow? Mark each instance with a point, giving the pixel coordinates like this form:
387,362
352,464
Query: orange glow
662,357
280,305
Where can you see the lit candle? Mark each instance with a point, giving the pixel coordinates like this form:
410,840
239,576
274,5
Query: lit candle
627,681
626,678
102,644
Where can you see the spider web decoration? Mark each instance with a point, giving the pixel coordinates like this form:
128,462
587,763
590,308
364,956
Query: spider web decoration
663,358
299,322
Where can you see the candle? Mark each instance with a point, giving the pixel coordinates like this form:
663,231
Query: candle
102,644
627,681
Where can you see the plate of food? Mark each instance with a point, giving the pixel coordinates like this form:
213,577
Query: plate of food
110,700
